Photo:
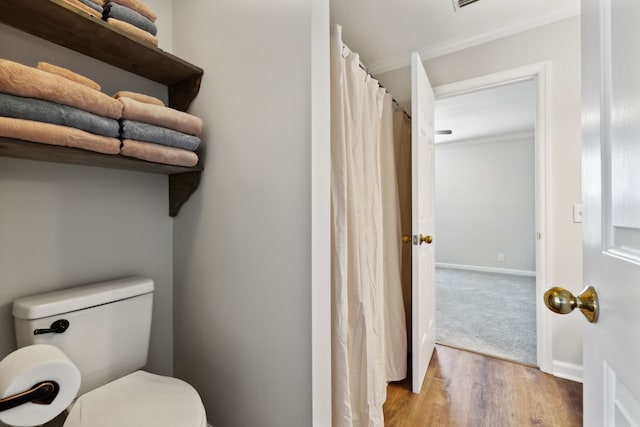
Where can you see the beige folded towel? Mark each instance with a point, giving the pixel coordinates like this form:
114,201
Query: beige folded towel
98,2
147,99
158,153
134,31
68,74
84,8
139,7
161,116
47,133
20,80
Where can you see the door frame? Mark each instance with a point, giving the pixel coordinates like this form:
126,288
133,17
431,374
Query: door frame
320,210
540,73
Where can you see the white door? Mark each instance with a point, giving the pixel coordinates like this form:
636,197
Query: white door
611,197
423,258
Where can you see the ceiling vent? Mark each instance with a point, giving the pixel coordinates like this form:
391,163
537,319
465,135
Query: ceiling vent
459,4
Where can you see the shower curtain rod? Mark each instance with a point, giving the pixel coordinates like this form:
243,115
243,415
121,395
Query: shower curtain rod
347,50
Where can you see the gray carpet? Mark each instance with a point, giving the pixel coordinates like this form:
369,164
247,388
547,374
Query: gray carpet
488,313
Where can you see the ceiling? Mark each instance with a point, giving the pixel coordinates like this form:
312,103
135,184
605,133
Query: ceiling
385,32
503,111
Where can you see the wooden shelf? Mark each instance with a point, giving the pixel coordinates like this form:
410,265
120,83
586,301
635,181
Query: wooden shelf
182,181
63,24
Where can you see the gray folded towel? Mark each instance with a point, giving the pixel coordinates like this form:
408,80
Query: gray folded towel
92,5
49,112
116,11
150,133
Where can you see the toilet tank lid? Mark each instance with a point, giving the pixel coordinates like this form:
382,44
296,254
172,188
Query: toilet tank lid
81,297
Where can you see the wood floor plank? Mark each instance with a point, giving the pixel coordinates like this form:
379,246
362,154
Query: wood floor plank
470,390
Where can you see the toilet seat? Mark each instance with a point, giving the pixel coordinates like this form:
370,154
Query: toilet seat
140,399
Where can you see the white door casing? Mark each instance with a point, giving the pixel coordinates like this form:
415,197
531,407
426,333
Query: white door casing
611,202
540,73
422,210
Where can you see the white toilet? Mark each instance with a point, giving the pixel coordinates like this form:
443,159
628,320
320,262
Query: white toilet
104,329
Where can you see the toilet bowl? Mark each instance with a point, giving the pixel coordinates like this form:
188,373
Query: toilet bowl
139,399
106,336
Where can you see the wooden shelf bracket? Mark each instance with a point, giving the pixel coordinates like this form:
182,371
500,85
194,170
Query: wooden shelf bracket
181,186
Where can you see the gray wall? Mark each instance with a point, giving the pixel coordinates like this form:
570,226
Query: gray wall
65,225
485,203
242,295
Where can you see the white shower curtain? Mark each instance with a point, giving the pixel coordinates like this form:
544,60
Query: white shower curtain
369,344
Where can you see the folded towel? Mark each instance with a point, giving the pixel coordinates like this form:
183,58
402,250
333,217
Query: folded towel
114,10
161,116
158,153
98,2
47,133
139,7
150,133
68,74
79,5
92,5
29,82
134,31
141,97
57,114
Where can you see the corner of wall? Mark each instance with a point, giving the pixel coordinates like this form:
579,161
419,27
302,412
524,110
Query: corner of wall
164,10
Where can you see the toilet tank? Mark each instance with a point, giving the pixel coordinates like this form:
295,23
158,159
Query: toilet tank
109,326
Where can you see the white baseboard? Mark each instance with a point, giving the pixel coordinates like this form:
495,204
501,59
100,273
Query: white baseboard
487,269
568,371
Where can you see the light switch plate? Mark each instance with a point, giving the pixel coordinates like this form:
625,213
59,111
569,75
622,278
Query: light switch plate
577,212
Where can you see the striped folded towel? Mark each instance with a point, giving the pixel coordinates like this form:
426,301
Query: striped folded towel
158,153
139,7
161,116
146,132
122,13
49,112
21,80
49,134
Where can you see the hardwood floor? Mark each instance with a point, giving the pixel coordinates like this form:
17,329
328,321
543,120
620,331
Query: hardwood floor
467,389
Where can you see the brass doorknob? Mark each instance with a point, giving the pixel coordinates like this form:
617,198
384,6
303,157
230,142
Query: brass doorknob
406,238
562,301
425,239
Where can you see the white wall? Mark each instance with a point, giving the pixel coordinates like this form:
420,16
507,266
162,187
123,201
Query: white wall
558,43
65,225
163,9
242,295
485,199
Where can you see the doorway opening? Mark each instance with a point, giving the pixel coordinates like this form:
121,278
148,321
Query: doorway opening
538,75
485,221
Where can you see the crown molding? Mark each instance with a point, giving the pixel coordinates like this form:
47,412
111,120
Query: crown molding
440,49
